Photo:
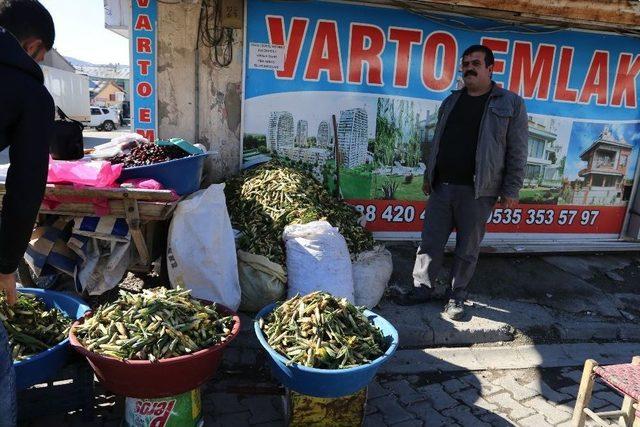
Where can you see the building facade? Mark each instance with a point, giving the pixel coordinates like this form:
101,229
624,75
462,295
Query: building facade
603,178
322,139
352,137
543,160
314,156
302,133
107,94
280,131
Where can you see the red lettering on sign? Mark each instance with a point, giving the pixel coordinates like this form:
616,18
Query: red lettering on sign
144,89
147,133
142,3
143,22
531,77
325,53
597,80
366,43
143,45
144,65
625,81
293,43
439,80
404,38
498,46
144,115
563,93
407,216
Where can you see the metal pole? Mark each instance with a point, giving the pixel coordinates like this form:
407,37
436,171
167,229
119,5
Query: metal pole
196,61
336,148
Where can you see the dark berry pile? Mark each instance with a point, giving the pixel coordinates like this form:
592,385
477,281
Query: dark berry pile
148,153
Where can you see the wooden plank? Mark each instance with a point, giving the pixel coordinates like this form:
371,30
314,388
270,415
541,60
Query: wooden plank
605,15
148,211
597,418
628,409
584,394
133,219
106,193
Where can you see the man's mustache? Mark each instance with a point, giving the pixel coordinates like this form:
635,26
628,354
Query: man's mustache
470,73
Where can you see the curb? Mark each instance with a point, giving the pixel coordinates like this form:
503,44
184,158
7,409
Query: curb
497,358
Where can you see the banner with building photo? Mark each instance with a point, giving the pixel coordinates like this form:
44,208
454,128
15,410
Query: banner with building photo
383,73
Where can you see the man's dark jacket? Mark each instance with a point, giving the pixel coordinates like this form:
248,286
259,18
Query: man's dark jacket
501,156
26,127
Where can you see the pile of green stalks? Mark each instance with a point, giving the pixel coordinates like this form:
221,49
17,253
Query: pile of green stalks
156,324
32,328
264,200
321,331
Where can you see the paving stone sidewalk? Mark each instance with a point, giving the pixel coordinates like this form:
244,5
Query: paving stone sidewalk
525,397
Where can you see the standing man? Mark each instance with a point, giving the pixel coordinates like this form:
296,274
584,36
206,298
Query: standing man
26,127
477,156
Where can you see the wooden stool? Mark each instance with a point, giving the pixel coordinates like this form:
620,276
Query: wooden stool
624,378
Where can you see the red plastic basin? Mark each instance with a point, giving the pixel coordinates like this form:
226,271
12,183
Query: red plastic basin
166,377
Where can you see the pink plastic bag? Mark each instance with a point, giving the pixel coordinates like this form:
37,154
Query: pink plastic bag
144,183
99,174
147,184
100,204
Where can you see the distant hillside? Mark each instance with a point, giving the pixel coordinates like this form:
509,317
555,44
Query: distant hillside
100,71
78,62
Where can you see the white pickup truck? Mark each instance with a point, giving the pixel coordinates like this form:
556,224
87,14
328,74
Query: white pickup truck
103,118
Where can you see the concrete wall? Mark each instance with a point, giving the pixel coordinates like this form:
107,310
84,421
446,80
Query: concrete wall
219,89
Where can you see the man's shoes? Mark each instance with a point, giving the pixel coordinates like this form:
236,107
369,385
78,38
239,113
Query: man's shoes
417,295
454,309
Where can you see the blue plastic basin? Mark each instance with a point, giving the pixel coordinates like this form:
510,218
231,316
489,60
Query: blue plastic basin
182,175
43,366
327,382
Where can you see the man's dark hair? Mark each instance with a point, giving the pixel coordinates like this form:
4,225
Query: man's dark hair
488,53
27,18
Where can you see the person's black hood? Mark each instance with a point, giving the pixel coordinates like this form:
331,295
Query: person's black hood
14,56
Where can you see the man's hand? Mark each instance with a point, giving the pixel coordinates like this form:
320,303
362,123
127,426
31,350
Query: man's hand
508,202
8,285
426,188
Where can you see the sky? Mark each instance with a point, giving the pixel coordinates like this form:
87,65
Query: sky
80,32
582,136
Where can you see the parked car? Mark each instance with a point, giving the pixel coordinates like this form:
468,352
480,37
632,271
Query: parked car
103,118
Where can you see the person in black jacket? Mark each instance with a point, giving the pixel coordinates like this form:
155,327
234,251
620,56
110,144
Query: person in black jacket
26,128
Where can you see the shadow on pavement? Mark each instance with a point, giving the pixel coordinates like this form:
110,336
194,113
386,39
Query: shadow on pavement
525,299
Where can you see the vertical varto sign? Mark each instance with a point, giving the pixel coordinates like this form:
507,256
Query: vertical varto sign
384,72
143,47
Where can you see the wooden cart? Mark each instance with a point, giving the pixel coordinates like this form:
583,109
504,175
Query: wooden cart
147,213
